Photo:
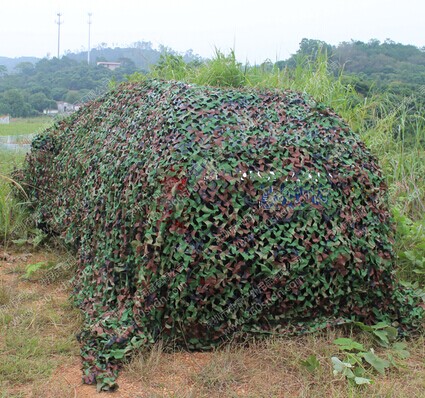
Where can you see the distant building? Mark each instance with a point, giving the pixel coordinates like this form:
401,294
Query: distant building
4,119
62,108
109,65
65,107
50,111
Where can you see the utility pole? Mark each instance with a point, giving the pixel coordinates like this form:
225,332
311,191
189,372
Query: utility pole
59,23
88,51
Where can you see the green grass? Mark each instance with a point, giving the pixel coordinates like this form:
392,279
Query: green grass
37,330
13,213
400,148
24,126
10,160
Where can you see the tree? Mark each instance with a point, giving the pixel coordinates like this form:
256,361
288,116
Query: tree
3,70
311,48
126,62
39,102
4,109
190,57
72,96
15,102
101,59
25,68
143,45
102,46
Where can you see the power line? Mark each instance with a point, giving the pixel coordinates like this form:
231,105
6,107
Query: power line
59,23
88,52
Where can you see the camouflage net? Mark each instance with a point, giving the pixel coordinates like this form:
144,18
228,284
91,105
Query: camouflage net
199,213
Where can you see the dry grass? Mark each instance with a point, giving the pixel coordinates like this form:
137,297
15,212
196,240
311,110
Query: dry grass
145,365
272,368
5,294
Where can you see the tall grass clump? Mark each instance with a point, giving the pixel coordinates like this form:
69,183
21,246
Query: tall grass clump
323,81
169,67
222,71
316,77
395,133
13,213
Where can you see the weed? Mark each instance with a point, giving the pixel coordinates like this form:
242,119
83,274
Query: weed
5,295
145,364
225,369
410,246
354,368
311,363
33,268
13,214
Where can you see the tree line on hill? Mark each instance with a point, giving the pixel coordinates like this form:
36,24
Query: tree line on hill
27,88
33,88
370,67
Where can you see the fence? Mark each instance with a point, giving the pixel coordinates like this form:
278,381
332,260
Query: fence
16,142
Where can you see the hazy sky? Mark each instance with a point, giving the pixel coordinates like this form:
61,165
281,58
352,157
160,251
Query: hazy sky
257,29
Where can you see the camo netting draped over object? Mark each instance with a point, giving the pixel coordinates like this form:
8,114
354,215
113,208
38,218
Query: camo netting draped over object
201,212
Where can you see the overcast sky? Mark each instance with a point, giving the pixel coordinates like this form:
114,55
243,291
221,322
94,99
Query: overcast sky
256,29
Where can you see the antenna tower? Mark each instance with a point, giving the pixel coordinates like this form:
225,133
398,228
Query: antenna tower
88,51
59,23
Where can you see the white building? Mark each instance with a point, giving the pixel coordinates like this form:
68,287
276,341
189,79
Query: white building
65,107
62,108
50,112
4,119
110,65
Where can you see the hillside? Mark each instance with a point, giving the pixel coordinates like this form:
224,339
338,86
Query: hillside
141,53
28,85
35,87
376,66
11,63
